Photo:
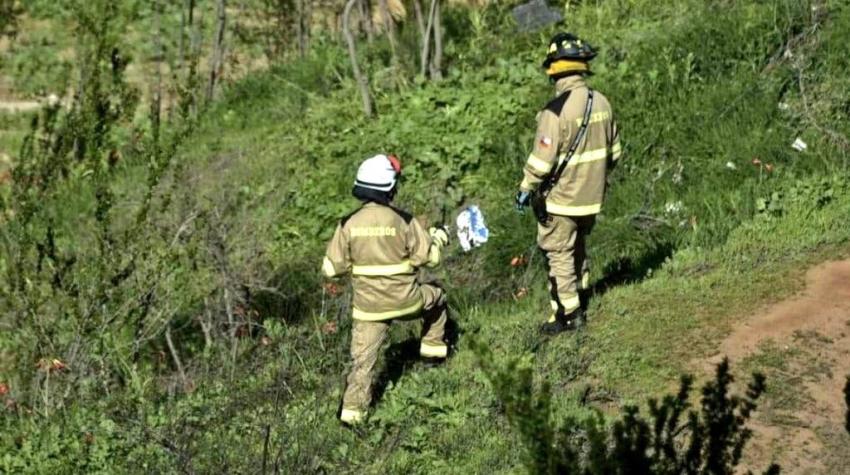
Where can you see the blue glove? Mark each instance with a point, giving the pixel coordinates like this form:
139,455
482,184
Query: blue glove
523,198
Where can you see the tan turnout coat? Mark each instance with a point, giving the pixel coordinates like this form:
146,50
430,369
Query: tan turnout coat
581,189
381,247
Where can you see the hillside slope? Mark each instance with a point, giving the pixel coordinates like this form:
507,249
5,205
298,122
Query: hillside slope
695,236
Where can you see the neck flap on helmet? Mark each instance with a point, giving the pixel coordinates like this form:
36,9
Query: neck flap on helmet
367,195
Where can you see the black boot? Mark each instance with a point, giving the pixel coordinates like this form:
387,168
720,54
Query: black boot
563,323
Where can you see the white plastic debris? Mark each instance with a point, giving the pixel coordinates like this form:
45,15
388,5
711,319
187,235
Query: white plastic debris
472,231
673,207
731,166
799,145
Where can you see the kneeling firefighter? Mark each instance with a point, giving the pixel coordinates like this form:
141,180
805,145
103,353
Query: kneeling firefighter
382,247
565,177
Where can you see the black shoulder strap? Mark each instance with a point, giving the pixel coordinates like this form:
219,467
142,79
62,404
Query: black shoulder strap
556,175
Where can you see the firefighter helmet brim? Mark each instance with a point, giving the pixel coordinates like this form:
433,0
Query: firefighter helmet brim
568,47
379,173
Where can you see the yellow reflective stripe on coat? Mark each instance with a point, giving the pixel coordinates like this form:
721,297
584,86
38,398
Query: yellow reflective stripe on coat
328,268
586,157
382,270
539,164
358,314
562,210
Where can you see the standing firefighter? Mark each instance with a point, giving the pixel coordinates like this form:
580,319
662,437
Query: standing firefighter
577,144
382,248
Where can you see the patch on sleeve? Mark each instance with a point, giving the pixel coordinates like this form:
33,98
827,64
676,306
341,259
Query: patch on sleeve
545,142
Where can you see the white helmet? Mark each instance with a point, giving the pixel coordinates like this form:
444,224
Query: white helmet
378,173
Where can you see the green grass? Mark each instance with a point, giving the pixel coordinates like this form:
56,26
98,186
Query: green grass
256,191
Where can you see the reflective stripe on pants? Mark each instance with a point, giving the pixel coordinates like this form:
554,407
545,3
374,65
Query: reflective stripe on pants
563,241
367,337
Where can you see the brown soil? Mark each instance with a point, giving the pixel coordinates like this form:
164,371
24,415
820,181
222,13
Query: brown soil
813,330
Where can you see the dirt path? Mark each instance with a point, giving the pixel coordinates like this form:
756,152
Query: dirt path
19,106
802,344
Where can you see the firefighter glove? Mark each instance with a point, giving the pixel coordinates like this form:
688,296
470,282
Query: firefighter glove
439,235
523,198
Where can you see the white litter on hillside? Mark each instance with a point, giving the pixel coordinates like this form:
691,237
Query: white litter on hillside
472,231
799,145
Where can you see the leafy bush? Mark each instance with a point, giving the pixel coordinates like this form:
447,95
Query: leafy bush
175,282
675,439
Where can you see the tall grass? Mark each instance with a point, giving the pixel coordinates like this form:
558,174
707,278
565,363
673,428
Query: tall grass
239,223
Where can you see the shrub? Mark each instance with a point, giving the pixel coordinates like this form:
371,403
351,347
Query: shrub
673,440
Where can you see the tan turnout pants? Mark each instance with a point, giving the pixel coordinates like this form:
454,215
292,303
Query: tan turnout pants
368,337
563,241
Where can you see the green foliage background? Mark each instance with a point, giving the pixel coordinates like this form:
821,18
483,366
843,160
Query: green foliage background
217,244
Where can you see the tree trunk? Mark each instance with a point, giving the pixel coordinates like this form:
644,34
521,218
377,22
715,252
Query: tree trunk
390,25
362,81
426,40
420,20
366,19
190,23
302,24
437,59
156,89
218,49
181,39
189,90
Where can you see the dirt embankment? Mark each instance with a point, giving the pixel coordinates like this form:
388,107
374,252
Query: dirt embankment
803,345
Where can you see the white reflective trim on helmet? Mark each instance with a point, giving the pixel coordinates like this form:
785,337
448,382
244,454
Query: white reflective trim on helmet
377,173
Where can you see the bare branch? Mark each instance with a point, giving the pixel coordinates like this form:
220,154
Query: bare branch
174,356
218,50
362,82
